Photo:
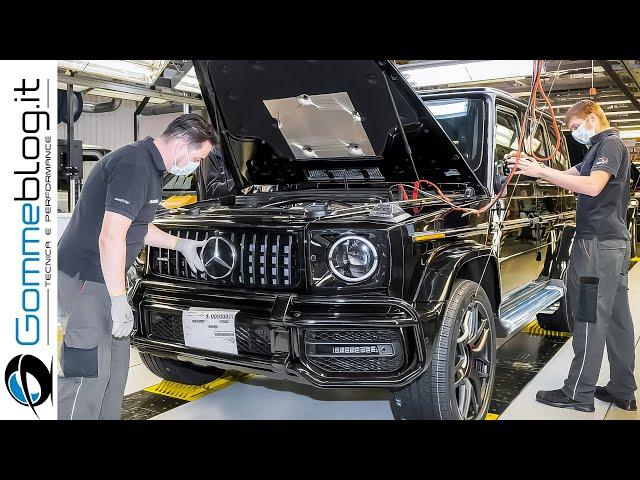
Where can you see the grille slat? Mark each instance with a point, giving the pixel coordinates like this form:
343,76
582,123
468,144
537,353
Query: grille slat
263,259
277,261
176,254
254,265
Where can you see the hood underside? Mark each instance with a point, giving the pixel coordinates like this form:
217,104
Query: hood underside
308,123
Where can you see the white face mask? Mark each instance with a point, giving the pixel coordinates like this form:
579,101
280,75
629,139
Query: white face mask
188,169
582,135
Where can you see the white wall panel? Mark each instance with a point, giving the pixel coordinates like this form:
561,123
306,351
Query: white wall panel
154,125
115,129
108,130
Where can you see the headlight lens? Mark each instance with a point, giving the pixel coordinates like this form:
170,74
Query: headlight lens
353,258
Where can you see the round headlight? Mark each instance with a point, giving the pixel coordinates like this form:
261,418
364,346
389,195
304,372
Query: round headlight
353,258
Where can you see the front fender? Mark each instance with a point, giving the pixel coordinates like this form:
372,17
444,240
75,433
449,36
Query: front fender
442,265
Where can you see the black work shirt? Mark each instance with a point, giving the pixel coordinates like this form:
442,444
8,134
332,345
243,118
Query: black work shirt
127,181
605,215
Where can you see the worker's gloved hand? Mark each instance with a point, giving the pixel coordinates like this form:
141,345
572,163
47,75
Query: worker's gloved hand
122,316
189,248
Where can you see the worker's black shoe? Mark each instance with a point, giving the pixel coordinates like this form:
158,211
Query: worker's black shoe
557,398
605,396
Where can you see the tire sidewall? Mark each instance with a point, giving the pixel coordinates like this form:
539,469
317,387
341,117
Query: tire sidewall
455,318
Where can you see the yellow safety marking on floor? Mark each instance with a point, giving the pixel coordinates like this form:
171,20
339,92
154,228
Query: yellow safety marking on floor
190,393
635,259
535,329
491,416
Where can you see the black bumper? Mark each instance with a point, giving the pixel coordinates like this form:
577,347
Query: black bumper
278,334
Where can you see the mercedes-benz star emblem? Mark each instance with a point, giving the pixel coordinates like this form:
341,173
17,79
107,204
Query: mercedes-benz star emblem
218,256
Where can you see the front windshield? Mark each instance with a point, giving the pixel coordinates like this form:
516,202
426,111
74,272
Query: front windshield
463,121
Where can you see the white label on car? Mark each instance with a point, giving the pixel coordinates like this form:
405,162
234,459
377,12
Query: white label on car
210,329
451,172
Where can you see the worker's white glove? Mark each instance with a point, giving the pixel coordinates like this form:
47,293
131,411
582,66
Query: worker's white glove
122,316
189,248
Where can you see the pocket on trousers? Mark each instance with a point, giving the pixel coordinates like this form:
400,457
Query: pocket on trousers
588,300
79,362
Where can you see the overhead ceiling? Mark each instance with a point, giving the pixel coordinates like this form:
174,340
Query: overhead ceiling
617,83
173,81
159,80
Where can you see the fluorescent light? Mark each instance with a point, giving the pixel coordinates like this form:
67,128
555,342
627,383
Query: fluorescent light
469,72
441,109
630,134
137,71
625,120
189,83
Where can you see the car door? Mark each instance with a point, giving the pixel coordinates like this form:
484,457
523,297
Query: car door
518,244
554,203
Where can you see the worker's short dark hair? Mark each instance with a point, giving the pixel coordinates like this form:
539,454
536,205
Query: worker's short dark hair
192,128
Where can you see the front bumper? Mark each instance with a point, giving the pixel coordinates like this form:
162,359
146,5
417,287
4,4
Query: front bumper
278,334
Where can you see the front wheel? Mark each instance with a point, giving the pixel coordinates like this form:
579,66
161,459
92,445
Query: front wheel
459,382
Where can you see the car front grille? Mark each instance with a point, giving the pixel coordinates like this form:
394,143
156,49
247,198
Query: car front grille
264,259
251,338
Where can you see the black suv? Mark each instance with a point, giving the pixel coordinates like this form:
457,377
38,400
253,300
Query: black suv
324,267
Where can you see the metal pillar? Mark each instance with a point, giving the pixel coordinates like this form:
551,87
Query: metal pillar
137,112
72,181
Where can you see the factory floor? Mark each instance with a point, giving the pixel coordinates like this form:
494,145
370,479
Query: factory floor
530,361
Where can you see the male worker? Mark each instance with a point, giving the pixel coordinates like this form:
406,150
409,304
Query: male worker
597,280
107,230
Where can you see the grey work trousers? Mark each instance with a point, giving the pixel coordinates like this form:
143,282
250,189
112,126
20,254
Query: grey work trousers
93,364
598,296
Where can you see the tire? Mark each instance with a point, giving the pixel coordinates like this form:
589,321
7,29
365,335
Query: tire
433,395
180,372
561,320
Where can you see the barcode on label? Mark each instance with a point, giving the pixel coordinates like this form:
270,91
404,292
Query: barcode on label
223,334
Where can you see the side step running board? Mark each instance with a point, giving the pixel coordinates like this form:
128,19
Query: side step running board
517,314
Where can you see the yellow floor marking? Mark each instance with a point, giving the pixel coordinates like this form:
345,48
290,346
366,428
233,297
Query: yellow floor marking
635,259
534,328
491,416
195,392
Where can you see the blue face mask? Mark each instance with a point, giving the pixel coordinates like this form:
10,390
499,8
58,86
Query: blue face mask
188,169
582,135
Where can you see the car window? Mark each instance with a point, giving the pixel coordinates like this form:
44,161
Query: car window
507,132
534,141
462,119
174,184
560,160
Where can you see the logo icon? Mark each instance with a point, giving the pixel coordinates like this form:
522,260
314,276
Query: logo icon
29,381
218,256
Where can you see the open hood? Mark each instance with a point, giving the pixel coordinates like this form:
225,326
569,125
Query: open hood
307,122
